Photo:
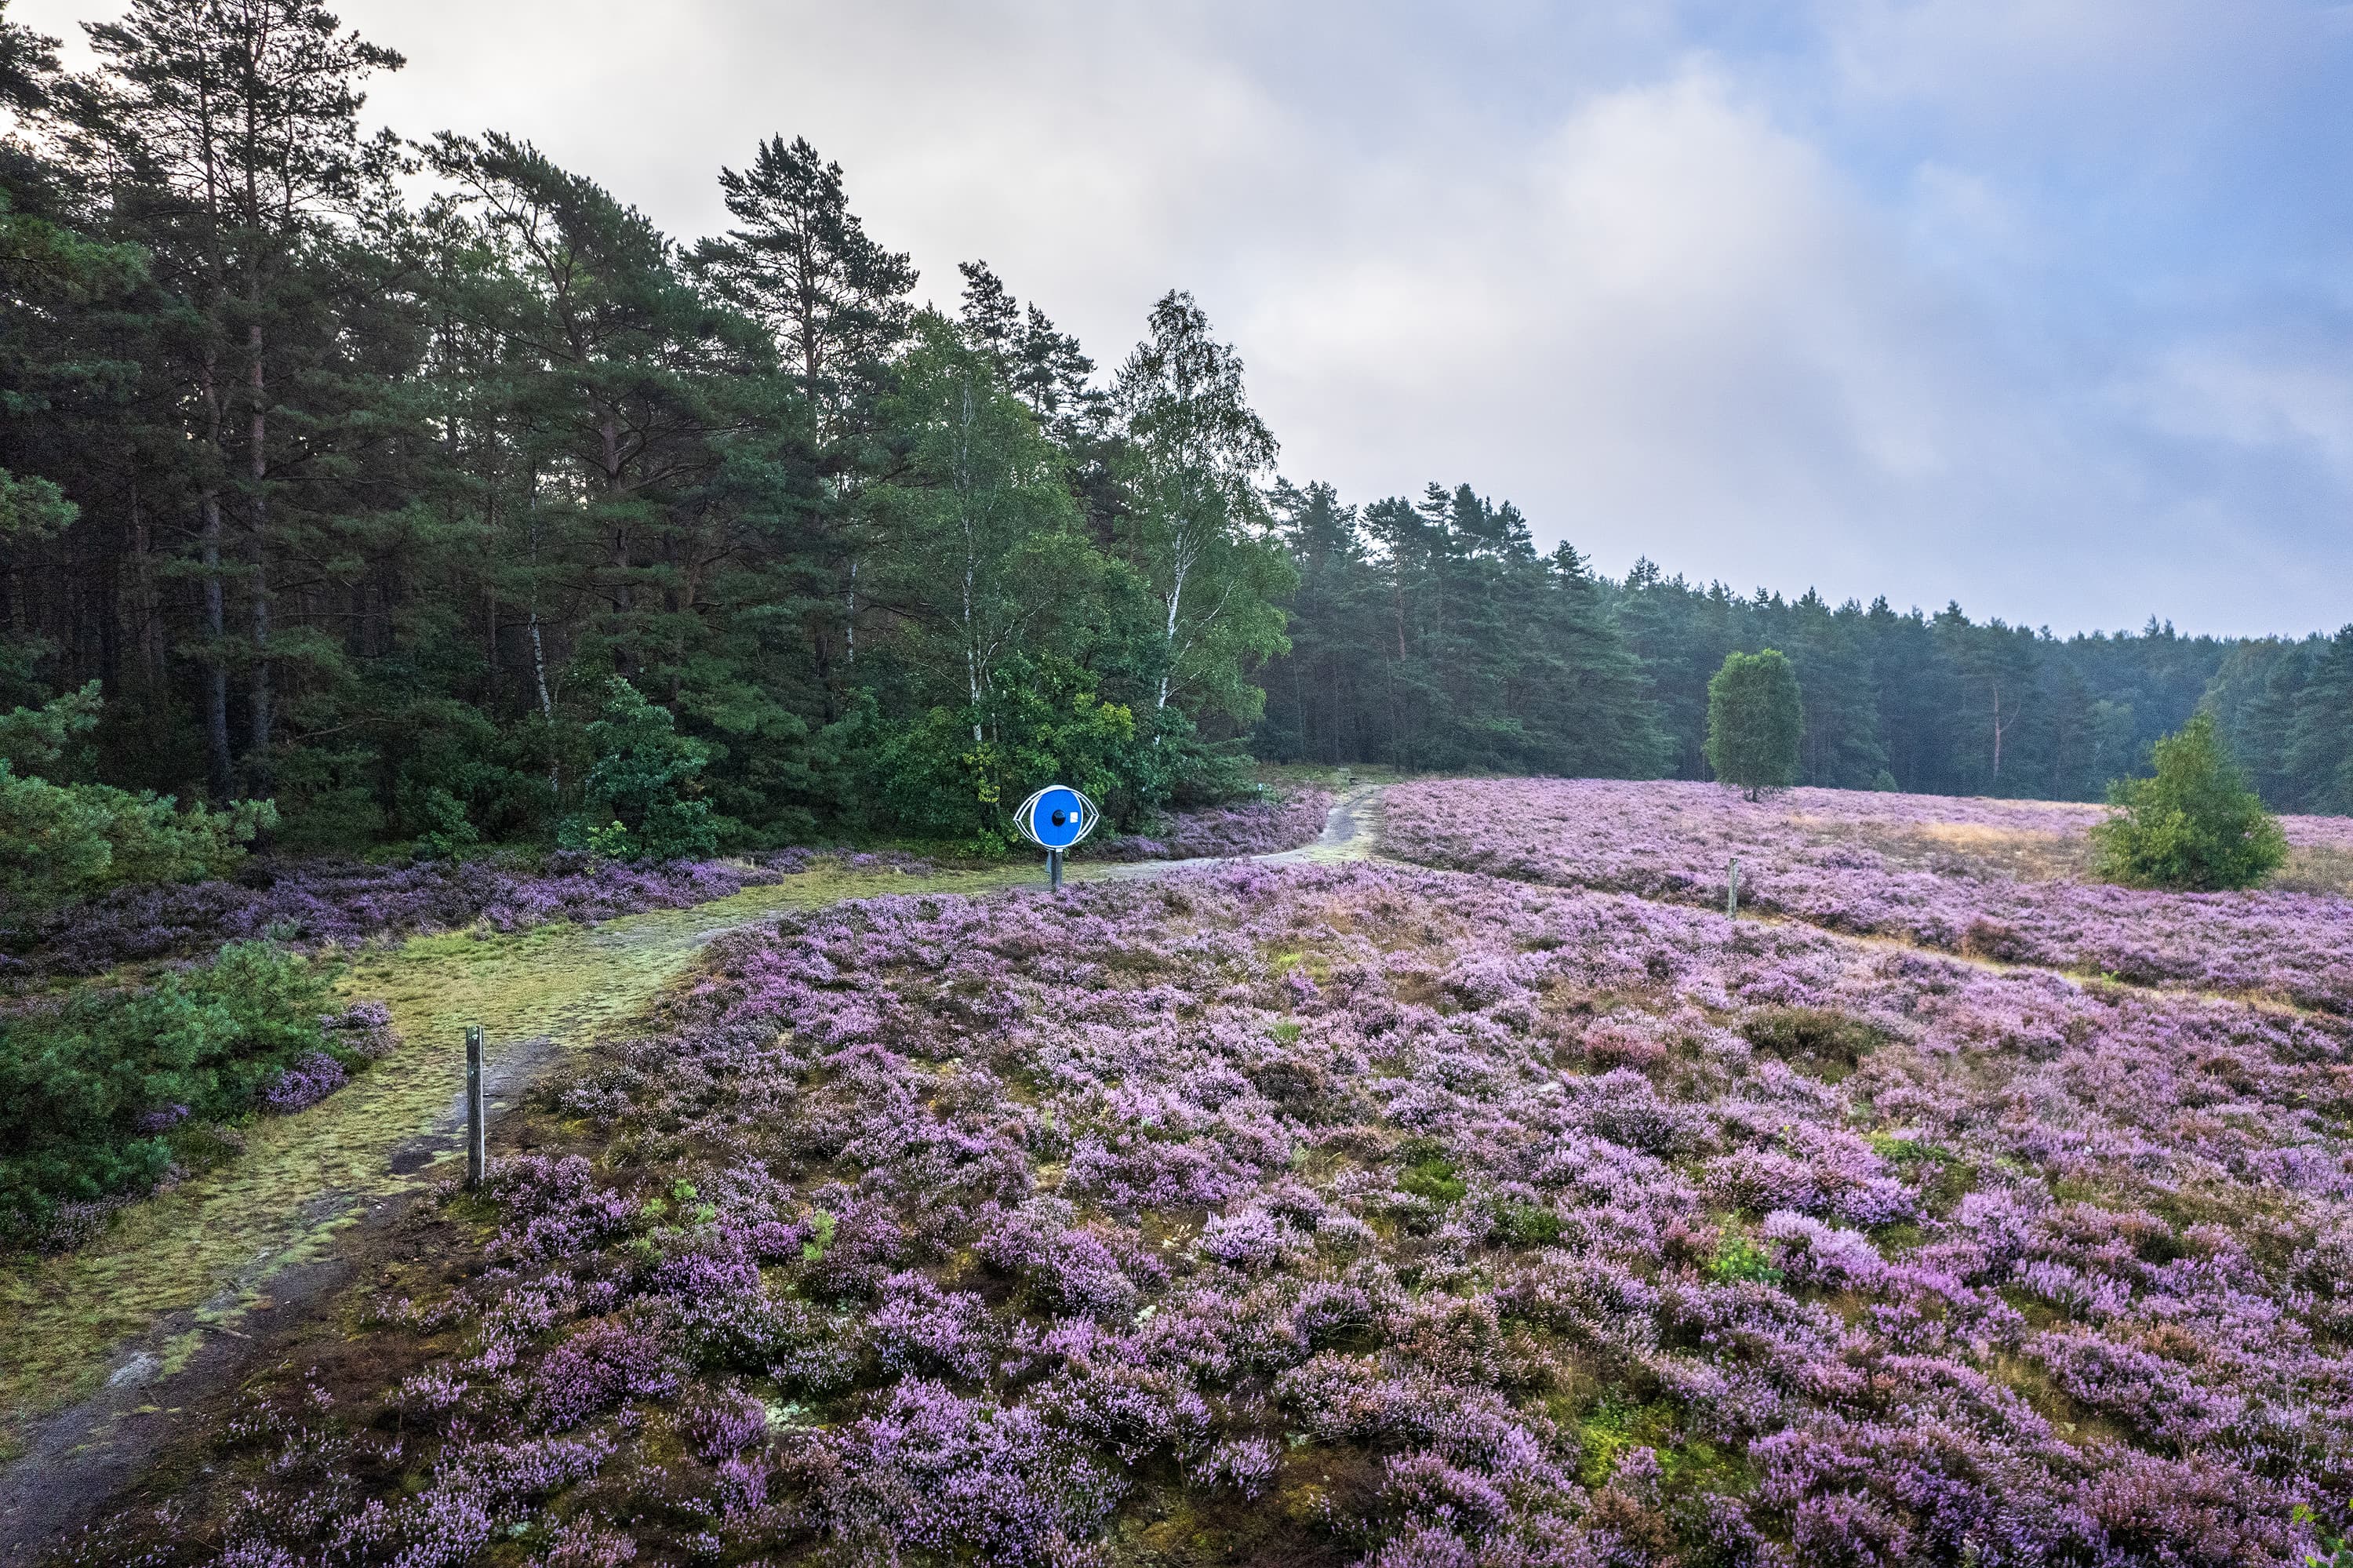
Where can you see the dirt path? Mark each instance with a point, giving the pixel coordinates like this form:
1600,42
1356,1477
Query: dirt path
107,1354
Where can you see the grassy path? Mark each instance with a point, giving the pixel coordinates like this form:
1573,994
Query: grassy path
195,1260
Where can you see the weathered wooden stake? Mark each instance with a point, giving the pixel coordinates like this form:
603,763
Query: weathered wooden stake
1053,871
1732,892
476,1129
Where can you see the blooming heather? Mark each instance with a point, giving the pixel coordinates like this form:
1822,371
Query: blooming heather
346,903
1217,832
1365,1214
315,902
1866,863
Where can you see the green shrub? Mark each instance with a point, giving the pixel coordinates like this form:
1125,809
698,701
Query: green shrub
1430,1174
99,1090
2194,825
1527,1224
647,782
63,842
1829,1043
957,773
1738,1258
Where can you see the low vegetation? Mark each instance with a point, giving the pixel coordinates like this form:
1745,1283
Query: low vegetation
106,1090
1352,1215
1894,865
64,841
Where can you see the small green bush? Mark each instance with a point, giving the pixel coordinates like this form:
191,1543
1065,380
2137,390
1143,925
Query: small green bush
99,1090
2195,825
1829,1043
1527,1224
1430,1174
1739,1257
644,790
63,842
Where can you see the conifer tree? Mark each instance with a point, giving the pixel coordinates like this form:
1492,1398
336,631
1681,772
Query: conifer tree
242,117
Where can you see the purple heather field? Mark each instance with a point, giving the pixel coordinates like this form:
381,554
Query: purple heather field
1993,879
1222,831
346,903
1358,1215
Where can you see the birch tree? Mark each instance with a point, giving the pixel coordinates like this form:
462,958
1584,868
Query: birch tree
1198,455
988,550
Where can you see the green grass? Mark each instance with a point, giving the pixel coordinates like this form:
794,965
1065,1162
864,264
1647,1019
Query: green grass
1739,1258
1430,1174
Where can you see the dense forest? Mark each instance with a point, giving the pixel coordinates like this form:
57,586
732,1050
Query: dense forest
1433,634
392,481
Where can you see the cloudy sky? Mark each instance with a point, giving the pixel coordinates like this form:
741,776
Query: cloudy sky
2044,305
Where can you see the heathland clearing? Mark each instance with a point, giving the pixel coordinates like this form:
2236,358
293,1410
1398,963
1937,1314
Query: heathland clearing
1328,1213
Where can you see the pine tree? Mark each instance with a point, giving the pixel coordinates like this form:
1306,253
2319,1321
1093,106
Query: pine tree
801,263
243,118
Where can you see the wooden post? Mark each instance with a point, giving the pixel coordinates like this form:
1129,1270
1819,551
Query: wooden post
1732,892
477,1131
1053,871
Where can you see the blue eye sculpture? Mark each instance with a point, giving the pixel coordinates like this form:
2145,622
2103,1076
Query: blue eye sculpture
1055,819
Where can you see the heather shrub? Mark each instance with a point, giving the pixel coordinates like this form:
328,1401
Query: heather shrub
2194,825
1262,826
102,1093
1886,866
344,902
991,1229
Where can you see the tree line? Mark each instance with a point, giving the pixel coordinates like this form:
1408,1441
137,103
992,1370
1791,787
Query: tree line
429,490
1431,633
364,504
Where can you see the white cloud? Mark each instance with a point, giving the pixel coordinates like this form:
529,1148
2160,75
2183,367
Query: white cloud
1900,295
2253,400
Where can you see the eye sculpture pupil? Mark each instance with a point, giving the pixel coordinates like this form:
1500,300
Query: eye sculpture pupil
1058,818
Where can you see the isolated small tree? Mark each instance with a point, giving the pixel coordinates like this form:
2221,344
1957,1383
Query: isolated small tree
1755,720
2195,825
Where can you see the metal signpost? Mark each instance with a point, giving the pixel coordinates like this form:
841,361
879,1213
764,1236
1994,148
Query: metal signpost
1055,819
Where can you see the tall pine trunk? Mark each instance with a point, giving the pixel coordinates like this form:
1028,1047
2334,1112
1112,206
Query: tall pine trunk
147,601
